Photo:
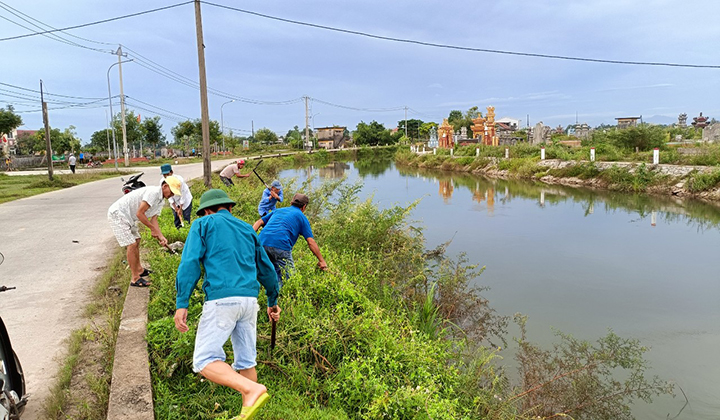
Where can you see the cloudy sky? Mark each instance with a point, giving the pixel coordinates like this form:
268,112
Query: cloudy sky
268,65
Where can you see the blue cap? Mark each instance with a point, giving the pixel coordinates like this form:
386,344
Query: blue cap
166,169
276,184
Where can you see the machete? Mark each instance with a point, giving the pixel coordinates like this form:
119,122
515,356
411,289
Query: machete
256,174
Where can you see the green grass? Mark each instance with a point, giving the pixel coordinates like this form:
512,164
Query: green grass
21,186
82,387
389,331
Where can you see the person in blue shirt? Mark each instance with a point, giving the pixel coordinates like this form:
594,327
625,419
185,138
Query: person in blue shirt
234,262
270,197
282,229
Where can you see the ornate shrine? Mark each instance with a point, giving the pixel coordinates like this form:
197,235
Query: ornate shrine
445,135
484,128
700,122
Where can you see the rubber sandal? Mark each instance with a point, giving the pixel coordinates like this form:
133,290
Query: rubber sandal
249,413
145,272
141,282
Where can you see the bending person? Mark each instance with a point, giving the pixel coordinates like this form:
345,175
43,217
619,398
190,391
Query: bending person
282,229
271,196
142,205
232,170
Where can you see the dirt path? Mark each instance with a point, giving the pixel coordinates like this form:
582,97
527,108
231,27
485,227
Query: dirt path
55,245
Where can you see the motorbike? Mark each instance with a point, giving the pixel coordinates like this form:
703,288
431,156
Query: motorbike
133,183
12,380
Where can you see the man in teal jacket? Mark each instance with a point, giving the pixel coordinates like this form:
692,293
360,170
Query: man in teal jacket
234,262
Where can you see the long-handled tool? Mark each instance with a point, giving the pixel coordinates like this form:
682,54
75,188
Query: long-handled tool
256,174
272,335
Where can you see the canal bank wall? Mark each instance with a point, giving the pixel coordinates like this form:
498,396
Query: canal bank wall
700,182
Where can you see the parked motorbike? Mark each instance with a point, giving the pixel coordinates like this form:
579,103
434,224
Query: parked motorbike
133,183
12,380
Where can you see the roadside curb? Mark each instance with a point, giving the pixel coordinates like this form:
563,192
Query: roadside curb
131,387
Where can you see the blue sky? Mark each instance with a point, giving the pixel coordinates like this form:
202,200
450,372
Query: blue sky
267,60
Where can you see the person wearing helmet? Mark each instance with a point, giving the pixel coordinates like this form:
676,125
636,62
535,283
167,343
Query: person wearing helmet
232,170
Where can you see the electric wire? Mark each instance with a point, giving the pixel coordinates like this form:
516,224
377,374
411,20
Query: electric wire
7,6
52,36
98,21
393,109
49,94
461,48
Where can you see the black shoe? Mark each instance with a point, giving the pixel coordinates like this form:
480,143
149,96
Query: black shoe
145,272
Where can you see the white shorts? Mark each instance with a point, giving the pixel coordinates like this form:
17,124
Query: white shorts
231,317
125,232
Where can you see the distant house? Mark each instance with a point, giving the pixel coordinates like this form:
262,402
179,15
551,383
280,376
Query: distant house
626,122
511,123
8,142
331,137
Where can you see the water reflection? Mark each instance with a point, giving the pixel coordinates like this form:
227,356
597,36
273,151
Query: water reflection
579,260
488,191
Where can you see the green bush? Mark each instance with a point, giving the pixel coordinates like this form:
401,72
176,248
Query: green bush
698,182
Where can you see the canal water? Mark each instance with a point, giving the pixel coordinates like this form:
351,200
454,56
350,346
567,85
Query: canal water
579,261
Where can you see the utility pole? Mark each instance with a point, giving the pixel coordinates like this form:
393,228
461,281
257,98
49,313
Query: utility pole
107,132
252,129
48,148
406,108
307,128
207,168
122,106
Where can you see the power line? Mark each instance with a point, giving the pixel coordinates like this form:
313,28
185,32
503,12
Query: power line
394,109
456,47
7,6
49,94
51,36
97,22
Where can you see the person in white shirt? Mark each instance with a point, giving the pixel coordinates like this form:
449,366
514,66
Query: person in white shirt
72,161
142,205
182,205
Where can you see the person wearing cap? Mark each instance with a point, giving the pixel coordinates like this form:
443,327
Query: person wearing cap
182,204
141,205
271,196
235,265
282,229
232,170
72,160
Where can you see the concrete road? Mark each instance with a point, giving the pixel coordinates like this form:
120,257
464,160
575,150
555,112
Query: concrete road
55,247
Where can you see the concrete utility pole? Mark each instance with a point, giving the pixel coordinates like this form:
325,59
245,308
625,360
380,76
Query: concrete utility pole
48,148
122,106
307,128
207,168
107,132
406,108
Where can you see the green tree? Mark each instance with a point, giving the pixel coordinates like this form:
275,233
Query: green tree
458,120
99,139
152,132
426,127
133,131
266,136
413,127
643,137
373,134
9,120
60,141
188,134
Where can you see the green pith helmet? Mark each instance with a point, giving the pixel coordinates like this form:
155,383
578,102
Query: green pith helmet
213,198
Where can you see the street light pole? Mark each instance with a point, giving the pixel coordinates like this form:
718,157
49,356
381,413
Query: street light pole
111,110
222,122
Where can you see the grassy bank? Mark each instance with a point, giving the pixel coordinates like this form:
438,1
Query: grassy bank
82,388
391,330
21,186
524,163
